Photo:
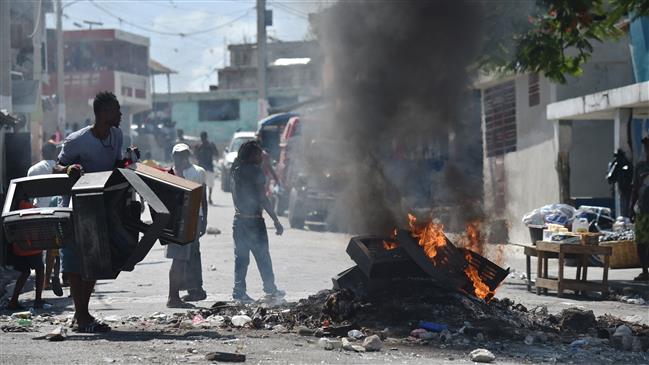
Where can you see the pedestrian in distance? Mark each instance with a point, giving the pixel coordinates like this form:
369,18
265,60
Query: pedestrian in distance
206,151
249,228
52,258
186,269
91,149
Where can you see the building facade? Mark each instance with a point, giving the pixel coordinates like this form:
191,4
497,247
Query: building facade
526,164
294,75
101,60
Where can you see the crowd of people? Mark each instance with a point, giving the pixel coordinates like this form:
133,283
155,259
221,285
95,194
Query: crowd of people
98,147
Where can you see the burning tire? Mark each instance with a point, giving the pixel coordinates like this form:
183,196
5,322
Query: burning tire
296,210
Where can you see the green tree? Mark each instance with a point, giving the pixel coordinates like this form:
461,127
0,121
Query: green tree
559,41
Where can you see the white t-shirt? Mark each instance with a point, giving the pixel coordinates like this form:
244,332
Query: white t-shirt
196,174
43,167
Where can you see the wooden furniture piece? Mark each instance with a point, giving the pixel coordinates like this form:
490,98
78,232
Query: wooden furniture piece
580,284
530,251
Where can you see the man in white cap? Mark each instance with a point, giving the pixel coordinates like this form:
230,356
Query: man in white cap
186,272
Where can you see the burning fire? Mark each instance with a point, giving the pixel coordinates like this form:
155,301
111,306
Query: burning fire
480,289
431,238
390,245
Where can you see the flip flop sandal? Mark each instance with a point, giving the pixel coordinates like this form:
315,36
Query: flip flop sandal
93,327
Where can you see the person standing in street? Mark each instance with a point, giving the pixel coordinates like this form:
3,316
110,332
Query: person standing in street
640,204
186,269
52,259
206,151
249,228
91,149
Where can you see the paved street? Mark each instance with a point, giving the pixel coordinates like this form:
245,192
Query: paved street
304,263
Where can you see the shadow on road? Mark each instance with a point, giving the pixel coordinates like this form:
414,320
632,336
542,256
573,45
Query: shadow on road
135,335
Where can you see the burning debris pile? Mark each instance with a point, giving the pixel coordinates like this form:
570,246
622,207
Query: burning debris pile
418,258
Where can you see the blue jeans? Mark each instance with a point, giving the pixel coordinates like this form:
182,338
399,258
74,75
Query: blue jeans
250,236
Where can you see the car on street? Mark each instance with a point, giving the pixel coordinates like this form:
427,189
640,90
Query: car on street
230,154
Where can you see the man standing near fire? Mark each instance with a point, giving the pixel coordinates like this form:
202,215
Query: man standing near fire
249,228
91,149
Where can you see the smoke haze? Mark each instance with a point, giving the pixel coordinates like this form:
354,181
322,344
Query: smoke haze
399,76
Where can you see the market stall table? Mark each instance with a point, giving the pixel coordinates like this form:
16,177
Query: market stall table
580,284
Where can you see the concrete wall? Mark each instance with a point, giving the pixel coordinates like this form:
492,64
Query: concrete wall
527,179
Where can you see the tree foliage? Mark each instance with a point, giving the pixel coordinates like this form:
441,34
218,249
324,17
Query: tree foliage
560,40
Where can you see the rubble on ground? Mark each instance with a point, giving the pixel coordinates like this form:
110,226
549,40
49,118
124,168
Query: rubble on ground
344,322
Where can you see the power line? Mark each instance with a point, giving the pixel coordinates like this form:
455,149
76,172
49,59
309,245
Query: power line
179,34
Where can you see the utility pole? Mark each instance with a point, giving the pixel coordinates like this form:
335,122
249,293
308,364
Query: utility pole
60,82
5,56
36,120
262,105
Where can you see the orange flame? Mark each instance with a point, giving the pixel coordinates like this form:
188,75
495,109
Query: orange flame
480,289
429,236
390,245
472,239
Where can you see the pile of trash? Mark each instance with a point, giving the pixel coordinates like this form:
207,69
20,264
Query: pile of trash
346,322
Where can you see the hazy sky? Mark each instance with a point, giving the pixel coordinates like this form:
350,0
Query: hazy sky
195,57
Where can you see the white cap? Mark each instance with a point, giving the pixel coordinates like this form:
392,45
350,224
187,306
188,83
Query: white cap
180,147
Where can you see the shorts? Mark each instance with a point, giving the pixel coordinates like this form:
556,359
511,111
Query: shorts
209,178
70,260
25,264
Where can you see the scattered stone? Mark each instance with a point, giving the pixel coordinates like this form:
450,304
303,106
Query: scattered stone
577,320
57,334
479,337
305,331
373,343
240,320
212,267
622,338
623,330
358,348
108,360
329,344
225,357
347,345
482,355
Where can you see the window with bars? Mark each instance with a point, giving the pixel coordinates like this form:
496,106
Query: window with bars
533,90
500,119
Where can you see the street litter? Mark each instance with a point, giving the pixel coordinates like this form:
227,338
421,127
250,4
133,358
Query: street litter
240,320
57,334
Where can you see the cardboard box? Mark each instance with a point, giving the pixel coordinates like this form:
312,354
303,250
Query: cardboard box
181,196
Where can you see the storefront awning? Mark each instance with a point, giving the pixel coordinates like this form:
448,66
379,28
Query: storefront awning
602,105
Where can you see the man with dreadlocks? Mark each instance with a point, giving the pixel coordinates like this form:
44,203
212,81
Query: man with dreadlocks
249,228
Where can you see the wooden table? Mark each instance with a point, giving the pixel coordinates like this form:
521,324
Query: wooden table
580,284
